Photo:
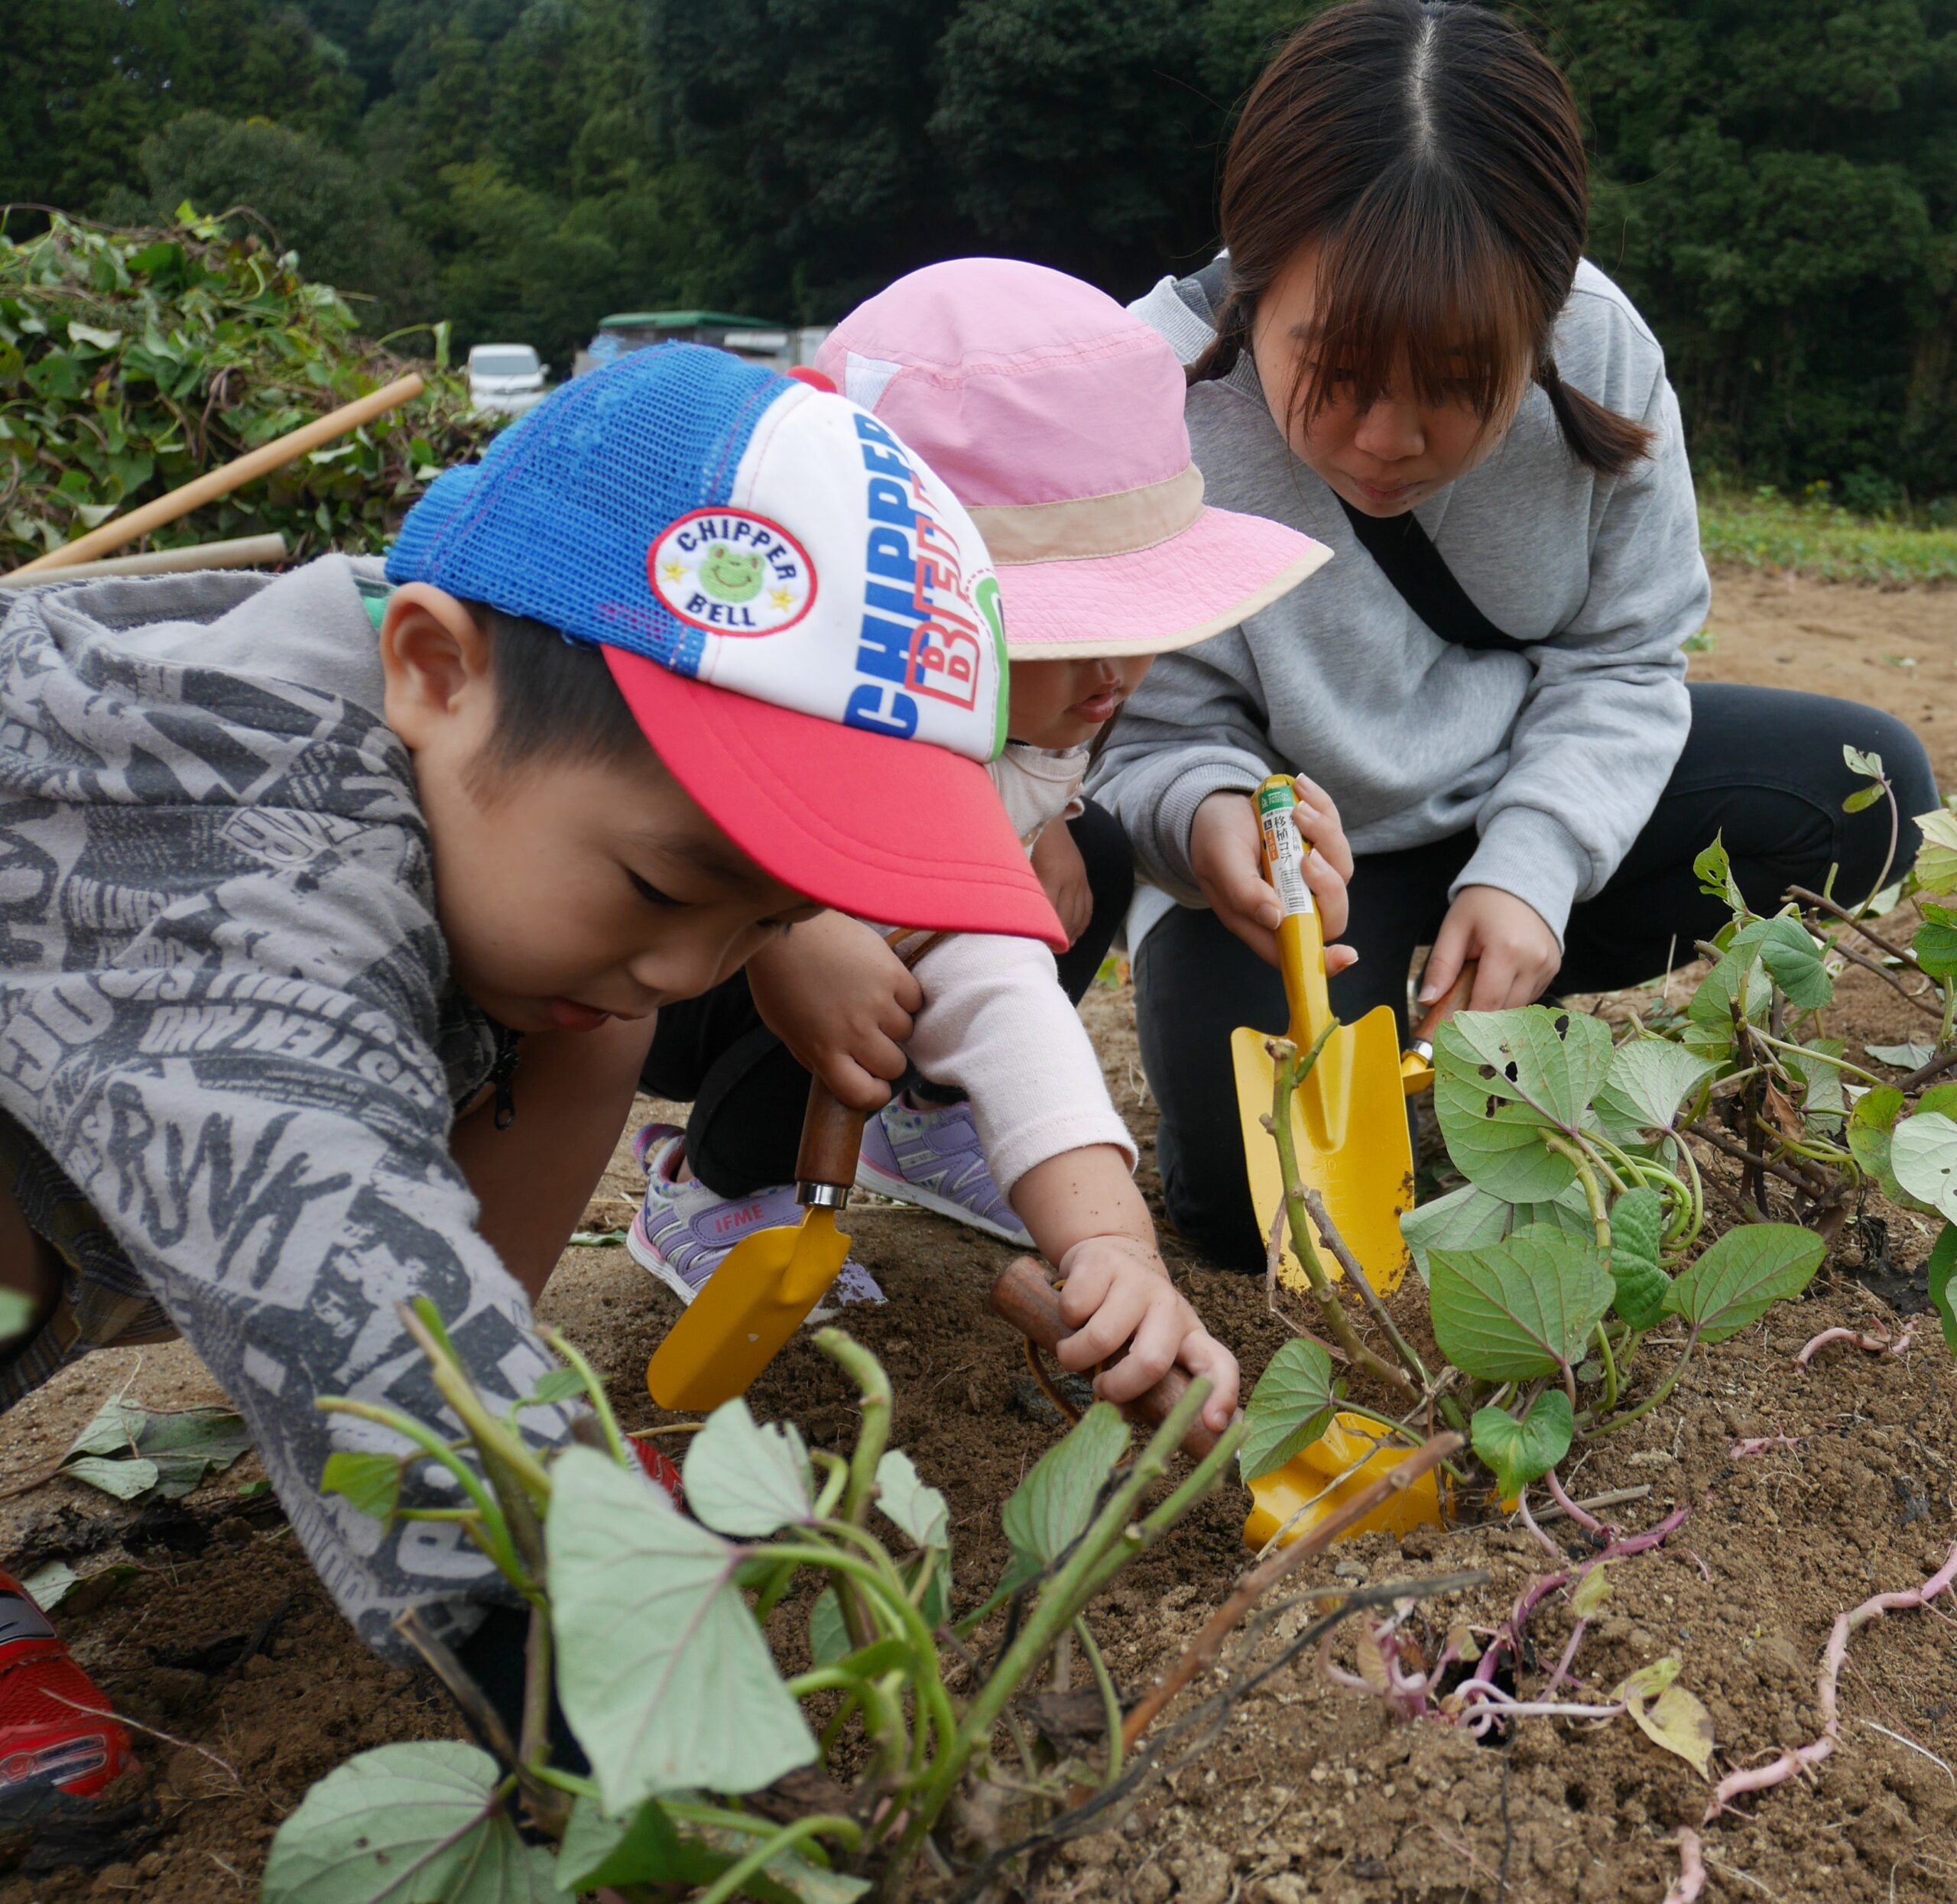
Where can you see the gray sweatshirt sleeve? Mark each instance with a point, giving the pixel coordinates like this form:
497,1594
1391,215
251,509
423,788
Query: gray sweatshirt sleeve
1156,771
1604,720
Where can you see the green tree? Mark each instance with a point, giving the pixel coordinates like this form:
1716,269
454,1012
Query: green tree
320,202
1777,188
89,80
1073,135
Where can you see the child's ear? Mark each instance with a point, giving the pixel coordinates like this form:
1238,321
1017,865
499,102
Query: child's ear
435,661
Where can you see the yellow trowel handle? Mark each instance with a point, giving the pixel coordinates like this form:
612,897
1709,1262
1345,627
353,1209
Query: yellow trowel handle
1301,936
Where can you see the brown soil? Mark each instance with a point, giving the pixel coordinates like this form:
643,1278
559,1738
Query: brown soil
224,1642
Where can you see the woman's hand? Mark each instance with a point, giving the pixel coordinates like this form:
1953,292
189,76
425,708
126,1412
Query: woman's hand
1518,952
841,1001
1063,874
1226,855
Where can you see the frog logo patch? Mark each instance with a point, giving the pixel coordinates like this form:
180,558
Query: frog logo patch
731,572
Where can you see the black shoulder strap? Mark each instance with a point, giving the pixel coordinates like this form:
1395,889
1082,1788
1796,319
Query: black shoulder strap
1404,550
1408,559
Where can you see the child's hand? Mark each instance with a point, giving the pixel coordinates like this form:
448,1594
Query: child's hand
1116,1291
841,1001
1226,855
1063,873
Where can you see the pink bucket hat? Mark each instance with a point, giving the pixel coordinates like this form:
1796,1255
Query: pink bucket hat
1056,419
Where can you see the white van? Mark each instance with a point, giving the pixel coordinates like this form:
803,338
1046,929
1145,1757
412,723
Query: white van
505,379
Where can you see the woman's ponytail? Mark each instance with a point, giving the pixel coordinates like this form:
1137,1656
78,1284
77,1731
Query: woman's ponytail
1219,356
1599,438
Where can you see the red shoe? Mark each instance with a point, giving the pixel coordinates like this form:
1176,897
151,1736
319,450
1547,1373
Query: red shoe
55,1728
659,1471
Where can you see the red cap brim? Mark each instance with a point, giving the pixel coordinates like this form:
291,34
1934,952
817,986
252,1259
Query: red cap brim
889,830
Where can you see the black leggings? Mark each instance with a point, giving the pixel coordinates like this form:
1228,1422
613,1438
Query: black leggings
1762,767
747,1092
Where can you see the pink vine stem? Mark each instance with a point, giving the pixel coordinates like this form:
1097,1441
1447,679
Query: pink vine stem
1582,1517
1762,1778
1896,1345
1759,1445
1480,1691
1692,1869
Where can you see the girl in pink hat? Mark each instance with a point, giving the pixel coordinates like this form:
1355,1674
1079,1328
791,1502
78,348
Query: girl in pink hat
1056,419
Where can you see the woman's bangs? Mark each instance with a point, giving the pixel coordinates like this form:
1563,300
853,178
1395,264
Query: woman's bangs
1417,299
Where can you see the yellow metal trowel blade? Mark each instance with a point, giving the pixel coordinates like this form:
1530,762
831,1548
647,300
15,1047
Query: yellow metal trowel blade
1314,1484
1349,1118
751,1305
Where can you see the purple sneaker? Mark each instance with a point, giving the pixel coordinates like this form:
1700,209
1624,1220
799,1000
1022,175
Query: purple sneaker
684,1231
931,1158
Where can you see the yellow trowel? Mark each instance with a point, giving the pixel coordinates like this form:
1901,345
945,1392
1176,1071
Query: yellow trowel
760,1295
1348,1119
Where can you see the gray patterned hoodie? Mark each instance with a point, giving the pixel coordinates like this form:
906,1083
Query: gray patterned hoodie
226,1017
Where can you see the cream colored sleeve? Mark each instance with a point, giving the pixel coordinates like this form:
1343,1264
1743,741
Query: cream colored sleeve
996,1024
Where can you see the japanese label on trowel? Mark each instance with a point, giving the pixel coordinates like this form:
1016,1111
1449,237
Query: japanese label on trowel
1284,847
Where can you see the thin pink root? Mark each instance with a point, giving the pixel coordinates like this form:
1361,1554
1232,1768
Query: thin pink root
1896,1345
1762,1778
1580,1516
1529,1521
1692,1869
1759,1444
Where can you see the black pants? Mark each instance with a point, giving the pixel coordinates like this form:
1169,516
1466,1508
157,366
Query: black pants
748,1094
1762,767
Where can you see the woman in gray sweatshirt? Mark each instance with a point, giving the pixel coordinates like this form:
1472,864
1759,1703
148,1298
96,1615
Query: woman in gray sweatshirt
1404,354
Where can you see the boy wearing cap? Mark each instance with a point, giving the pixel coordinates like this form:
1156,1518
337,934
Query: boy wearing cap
332,920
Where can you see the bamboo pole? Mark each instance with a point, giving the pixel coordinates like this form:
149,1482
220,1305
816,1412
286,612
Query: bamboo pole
241,552
221,482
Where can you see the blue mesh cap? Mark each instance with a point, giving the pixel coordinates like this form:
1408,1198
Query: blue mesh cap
800,614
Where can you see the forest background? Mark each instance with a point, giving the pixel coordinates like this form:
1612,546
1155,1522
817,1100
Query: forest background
1776,180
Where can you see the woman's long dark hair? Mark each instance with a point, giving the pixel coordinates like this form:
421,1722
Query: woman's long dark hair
1434,158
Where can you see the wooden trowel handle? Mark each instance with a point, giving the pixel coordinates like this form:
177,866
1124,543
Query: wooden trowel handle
832,1137
1454,999
1027,1300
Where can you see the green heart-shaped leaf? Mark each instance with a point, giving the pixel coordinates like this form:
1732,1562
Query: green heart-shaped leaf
1519,1309
920,1511
829,1638
663,1675
1520,1452
1050,1509
1502,1080
1935,942
1922,1153
1637,1228
1289,1408
1742,1275
746,1479
371,1483
1650,1078
1791,955
1942,1268
1936,859
412,1824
